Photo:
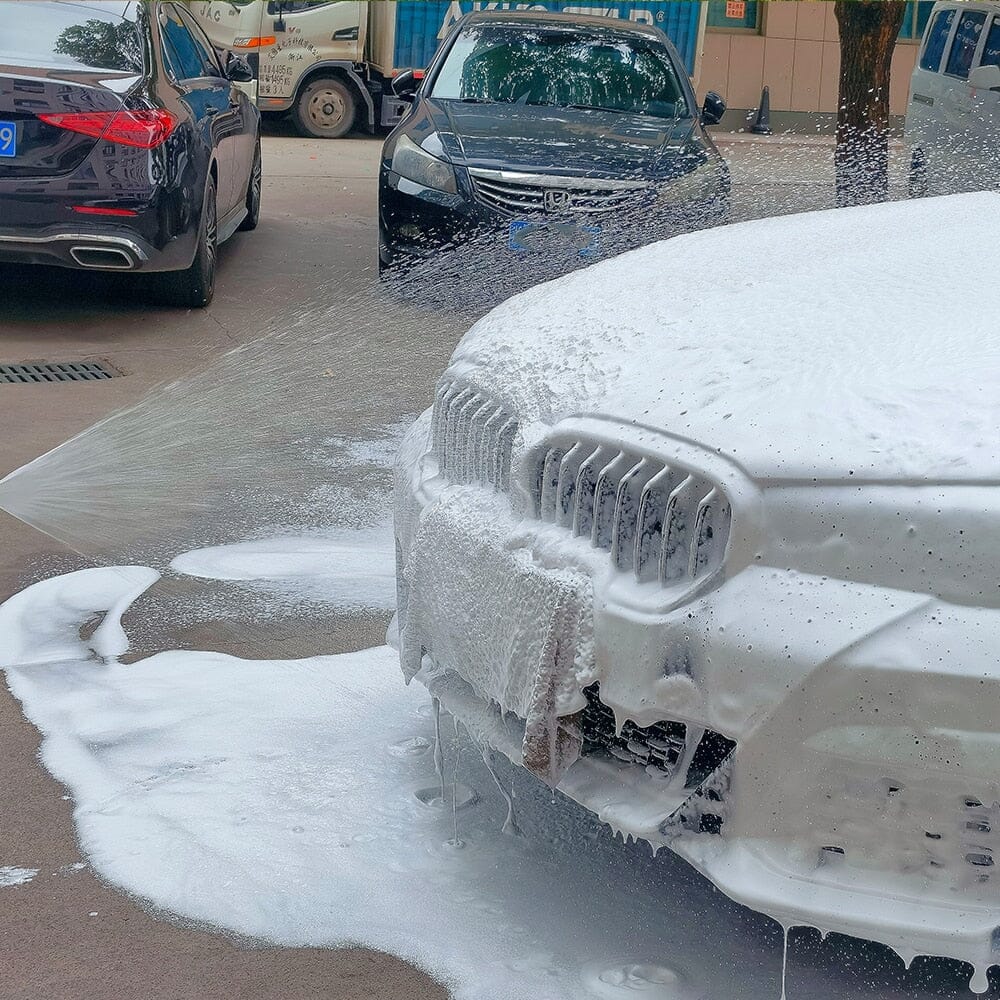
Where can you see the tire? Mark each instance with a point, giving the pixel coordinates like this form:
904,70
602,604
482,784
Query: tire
325,109
918,175
253,193
194,287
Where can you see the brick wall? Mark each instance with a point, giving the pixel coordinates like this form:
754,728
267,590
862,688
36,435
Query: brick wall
796,54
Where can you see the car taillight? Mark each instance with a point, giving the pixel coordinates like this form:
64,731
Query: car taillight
145,129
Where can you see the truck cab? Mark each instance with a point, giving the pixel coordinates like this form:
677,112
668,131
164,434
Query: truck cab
307,56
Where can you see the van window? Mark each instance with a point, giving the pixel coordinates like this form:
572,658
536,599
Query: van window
991,54
965,44
936,38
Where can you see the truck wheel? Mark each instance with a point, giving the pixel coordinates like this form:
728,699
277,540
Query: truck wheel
194,287
325,109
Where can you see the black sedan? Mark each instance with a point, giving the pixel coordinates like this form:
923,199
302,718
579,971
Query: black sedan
548,133
125,144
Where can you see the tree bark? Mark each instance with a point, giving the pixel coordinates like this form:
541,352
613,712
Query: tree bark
868,32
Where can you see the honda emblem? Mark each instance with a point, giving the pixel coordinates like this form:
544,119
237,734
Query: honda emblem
556,200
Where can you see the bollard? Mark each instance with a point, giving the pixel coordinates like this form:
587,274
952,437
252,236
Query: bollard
762,123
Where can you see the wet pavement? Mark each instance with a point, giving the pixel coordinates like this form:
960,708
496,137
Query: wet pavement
344,367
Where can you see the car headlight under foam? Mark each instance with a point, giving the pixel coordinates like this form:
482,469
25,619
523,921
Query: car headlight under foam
419,166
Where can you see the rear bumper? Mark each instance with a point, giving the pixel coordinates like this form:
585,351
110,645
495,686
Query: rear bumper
95,249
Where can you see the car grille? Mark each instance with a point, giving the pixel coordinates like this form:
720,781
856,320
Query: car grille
660,749
473,436
662,522
660,745
514,193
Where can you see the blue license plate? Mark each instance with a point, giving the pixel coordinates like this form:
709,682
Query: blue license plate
526,236
8,139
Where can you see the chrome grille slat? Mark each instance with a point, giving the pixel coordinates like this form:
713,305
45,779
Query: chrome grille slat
504,452
470,454
462,434
586,485
491,433
662,523
509,191
626,507
674,555
605,497
472,436
649,524
566,488
702,534
550,484
452,413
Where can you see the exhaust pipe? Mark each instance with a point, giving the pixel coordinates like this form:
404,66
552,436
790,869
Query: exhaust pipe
102,258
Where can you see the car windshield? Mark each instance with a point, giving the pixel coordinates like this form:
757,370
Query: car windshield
567,67
70,37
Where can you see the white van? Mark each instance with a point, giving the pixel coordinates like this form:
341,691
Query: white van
953,117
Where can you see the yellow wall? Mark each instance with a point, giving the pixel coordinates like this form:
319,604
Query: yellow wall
797,55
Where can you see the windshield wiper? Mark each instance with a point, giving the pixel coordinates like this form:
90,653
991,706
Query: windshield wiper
596,107
475,100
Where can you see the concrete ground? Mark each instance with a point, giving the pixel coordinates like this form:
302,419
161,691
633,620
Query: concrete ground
65,934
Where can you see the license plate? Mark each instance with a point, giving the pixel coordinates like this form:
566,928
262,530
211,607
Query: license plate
554,237
8,139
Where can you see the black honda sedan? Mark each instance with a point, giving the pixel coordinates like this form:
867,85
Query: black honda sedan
125,144
551,134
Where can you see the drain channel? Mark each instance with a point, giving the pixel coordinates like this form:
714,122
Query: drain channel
58,371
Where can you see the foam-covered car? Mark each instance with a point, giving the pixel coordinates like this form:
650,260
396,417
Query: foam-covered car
722,564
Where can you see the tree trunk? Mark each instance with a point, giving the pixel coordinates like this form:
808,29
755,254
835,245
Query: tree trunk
868,31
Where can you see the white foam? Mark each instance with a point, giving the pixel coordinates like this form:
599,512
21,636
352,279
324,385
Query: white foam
348,567
282,800
10,875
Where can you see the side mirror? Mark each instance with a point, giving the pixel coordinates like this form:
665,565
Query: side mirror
406,83
238,69
277,7
713,109
985,78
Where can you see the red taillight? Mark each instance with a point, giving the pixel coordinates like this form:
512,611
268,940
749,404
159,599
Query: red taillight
97,210
144,129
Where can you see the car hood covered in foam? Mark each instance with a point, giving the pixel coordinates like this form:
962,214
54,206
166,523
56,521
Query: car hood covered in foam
856,344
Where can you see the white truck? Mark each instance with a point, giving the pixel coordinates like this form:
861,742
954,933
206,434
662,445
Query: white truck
330,64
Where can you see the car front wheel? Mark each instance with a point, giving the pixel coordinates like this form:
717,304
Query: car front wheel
194,287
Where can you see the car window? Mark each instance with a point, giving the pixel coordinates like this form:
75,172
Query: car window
991,52
531,65
966,41
206,52
68,36
936,39
185,56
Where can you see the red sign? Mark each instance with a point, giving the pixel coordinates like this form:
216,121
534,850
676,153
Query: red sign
736,9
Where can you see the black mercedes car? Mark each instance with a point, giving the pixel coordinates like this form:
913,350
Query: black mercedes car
552,133
125,144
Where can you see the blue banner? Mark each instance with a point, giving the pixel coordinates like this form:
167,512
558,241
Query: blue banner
421,24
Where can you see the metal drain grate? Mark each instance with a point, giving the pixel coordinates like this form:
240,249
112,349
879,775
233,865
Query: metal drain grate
59,371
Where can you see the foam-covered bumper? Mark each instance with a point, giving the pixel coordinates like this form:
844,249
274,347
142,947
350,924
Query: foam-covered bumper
863,793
